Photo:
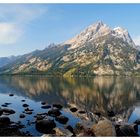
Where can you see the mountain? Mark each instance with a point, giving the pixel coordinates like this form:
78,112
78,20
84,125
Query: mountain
6,60
97,50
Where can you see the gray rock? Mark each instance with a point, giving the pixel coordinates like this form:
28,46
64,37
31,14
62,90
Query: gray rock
62,119
25,105
58,106
8,111
54,112
22,116
45,126
4,121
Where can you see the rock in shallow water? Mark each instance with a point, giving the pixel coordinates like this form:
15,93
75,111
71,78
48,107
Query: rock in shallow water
45,106
69,127
11,94
4,121
22,100
104,128
1,112
25,105
8,111
54,112
62,119
43,102
45,126
58,106
73,109
22,116
137,122
126,130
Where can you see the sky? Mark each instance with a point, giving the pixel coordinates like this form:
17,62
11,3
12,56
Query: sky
27,27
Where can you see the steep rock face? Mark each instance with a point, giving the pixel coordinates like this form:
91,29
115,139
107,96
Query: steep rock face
98,50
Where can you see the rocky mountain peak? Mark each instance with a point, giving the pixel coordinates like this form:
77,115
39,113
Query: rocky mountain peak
90,33
124,34
98,30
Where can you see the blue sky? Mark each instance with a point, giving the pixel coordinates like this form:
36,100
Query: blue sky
27,27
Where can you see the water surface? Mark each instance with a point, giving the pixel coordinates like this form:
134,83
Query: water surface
120,94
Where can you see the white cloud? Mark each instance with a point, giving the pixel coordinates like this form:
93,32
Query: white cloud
137,40
9,33
14,19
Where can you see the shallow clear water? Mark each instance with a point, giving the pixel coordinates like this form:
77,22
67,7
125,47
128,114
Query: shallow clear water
120,94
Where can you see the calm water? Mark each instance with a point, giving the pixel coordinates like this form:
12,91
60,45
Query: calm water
120,94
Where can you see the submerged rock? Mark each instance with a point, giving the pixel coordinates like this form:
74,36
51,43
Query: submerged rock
73,109
43,103
28,109
22,116
62,119
104,128
25,105
54,112
45,106
4,105
28,112
22,100
11,94
58,106
45,126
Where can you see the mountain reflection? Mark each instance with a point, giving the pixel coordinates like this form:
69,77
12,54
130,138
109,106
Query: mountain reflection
93,94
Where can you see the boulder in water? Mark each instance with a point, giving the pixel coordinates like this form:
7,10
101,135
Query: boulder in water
62,119
54,112
45,126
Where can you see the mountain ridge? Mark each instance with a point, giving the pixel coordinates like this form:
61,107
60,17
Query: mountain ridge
97,50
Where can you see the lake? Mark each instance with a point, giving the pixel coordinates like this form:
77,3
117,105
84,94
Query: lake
120,94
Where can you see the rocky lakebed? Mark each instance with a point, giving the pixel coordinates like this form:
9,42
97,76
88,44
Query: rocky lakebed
53,120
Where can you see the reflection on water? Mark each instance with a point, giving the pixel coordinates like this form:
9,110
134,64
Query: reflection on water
92,94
